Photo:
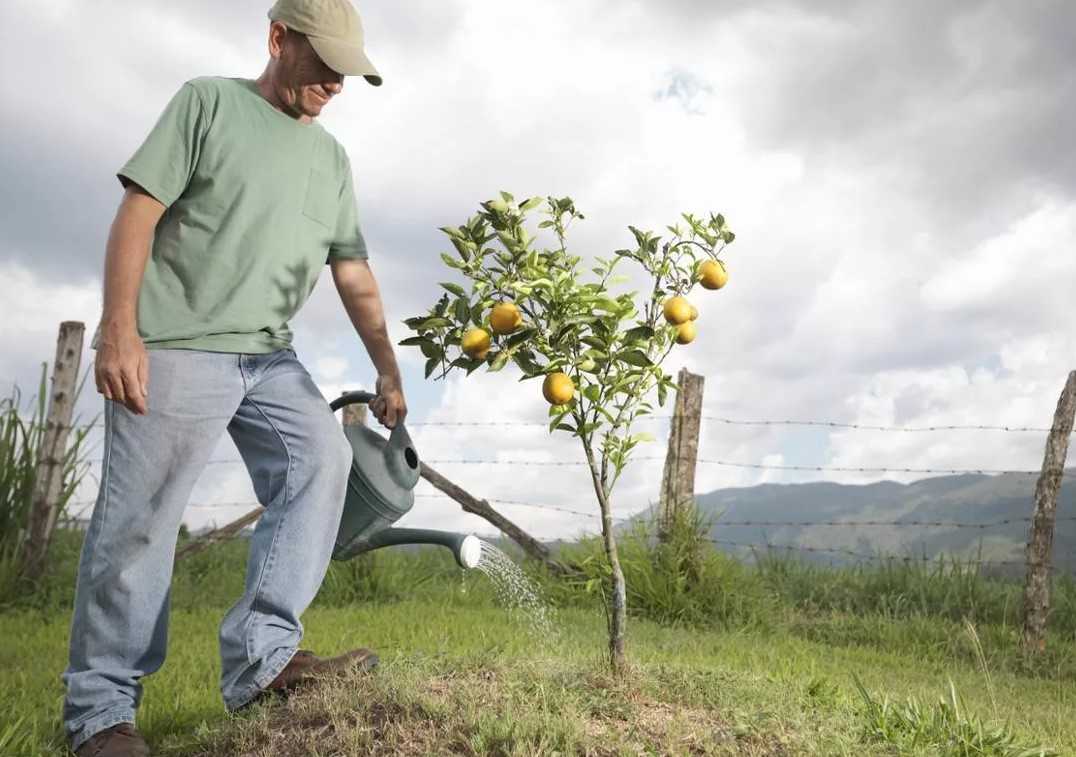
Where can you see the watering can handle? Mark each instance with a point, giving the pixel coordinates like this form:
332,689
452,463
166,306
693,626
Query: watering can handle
351,398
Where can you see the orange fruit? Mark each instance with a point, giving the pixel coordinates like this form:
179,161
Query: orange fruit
505,318
677,310
714,274
685,333
475,344
558,388
694,312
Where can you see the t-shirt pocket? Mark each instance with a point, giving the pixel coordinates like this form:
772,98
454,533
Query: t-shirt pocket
321,203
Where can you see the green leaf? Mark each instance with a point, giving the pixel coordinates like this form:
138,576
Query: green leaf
635,357
592,392
640,236
456,289
462,247
450,261
520,336
432,350
411,341
532,203
499,360
431,364
566,427
435,322
557,412
463,311
526,362
639,332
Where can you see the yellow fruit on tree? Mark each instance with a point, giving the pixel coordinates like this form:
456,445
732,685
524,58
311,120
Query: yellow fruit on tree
505,318
685,333
694,312
713,273
475,343
558,388
677,310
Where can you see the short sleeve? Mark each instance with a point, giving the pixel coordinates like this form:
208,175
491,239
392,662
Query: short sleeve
164,163
348,242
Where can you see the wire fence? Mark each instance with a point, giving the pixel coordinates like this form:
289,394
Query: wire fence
721,420
707,461
982,526
938,560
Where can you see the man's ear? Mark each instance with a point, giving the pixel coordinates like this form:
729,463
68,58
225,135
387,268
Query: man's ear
278,35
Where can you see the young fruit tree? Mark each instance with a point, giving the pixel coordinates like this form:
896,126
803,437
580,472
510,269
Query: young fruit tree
599,355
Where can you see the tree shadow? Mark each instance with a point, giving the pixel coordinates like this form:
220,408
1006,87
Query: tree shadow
295,288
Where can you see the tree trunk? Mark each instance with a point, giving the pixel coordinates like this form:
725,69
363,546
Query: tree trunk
617,611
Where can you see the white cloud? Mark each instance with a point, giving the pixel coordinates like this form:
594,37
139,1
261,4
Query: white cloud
896,179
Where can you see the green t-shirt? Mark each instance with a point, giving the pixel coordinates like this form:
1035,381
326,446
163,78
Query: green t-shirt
256,204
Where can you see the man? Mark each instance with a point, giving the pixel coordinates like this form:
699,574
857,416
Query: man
232,205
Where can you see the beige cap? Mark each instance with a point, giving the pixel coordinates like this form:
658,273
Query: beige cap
334,30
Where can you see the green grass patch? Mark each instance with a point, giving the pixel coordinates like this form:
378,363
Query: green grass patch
727,659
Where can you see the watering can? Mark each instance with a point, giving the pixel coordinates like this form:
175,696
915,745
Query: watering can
380,491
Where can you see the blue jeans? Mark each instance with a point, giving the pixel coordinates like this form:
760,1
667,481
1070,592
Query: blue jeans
298,458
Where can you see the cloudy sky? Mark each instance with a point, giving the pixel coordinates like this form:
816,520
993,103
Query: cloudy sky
897,175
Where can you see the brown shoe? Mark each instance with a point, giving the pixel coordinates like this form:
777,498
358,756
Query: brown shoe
305,666
121,740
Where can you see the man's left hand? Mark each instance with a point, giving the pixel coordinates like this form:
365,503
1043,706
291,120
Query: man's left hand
388,406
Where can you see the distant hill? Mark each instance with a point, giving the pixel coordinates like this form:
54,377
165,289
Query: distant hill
961,499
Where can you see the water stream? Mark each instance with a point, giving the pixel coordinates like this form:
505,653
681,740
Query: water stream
516,591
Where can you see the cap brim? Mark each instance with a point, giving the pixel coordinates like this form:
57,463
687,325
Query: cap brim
345,59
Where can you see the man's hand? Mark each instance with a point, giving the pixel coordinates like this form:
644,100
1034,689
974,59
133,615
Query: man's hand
388,406
121,368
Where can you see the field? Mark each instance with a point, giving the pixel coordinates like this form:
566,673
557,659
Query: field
751,661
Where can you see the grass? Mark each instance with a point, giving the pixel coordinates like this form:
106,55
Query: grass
474,679
22,442
731,662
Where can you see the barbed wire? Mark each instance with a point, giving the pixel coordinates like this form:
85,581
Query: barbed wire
717,523
885,523
725,421
757,466
708,461
940,559
534,505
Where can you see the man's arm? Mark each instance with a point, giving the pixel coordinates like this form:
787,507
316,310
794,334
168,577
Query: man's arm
121,368
359,292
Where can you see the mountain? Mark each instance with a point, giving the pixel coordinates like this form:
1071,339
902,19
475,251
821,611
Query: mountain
1003,502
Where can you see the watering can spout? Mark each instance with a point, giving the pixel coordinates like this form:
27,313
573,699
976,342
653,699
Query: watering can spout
466,548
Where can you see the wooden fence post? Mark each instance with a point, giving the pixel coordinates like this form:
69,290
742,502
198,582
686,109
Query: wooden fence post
48,474
678,479
1040,540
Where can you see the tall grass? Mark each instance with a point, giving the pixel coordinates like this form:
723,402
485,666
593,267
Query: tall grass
21,448
680,580
944,728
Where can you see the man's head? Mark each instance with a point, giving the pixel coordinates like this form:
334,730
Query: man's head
300,79
313,44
